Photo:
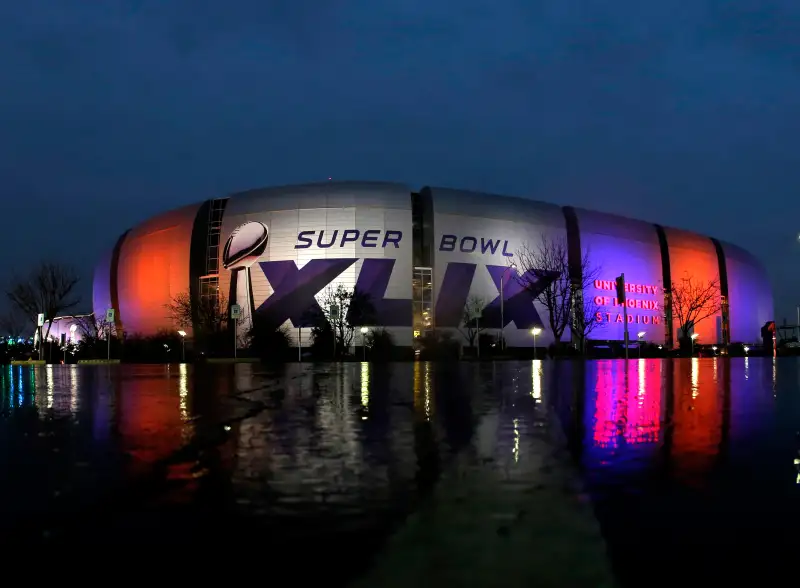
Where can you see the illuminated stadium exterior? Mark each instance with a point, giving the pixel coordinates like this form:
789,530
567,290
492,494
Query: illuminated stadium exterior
419,256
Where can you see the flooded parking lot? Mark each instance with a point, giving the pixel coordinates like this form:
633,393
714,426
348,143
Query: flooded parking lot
347,462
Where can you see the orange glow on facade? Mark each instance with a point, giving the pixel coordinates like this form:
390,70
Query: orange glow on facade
153,269
694,256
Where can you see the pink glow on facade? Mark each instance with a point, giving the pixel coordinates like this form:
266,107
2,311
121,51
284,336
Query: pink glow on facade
749,295
621,245
612,311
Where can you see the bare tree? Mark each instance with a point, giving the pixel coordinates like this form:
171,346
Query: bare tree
14,324
50,290
544,270
472,320
343,310
208,315
93,328
694,301
94,332
584,318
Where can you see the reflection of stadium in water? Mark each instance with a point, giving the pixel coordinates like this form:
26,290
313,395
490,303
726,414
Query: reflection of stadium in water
337,433
697,414
505,427
676,407
627,403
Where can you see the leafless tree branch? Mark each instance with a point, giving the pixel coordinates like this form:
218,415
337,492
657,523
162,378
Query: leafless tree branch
550,257
49,289
694,301
584,318
472,321
92,327
211,313
14,324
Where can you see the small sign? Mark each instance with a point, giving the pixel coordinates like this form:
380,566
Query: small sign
236,311
40,320
621,288
334,311
110,315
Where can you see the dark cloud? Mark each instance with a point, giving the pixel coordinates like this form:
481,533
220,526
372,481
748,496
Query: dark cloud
683,113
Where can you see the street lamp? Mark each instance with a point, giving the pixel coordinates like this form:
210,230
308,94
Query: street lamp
714,349
364,331
535,331
640,335
746,349
693,337
513,266
183,345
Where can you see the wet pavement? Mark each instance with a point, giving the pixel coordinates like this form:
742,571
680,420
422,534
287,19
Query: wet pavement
692,465
520,473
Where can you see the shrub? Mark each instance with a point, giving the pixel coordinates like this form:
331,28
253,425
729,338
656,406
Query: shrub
269,343
380,345
438,345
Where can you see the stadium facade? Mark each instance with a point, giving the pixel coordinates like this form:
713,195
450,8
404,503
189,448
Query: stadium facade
419,256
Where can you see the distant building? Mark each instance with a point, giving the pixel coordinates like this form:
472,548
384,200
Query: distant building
419,256
66,328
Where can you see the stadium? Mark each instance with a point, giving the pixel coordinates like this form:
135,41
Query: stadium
419,256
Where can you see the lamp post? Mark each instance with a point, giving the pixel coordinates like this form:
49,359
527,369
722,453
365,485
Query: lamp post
746,349
535,331
640,336
364,331
693,337
183,345
502,315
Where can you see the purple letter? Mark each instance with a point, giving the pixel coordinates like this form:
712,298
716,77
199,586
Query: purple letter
448,243
392,237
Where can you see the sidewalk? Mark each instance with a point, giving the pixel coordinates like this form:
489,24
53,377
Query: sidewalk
498,525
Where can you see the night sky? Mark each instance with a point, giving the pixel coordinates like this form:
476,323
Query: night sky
683,113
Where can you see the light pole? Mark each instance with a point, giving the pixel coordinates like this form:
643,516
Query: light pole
693,337
183,345
502,315
364,331
640,335
535,331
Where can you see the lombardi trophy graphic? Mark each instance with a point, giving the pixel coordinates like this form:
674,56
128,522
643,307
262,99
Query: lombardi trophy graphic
245,245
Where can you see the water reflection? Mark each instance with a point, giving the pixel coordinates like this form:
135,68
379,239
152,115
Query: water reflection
689,446
49,385
330,458
422,389
626,410
536,380
365,389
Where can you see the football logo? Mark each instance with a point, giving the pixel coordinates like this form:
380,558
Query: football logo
246,244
